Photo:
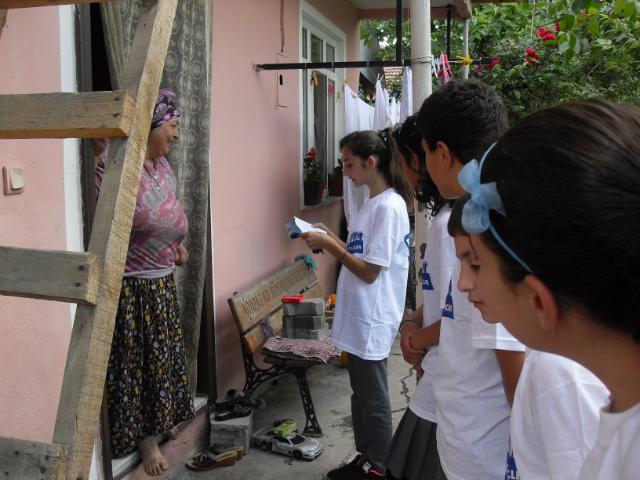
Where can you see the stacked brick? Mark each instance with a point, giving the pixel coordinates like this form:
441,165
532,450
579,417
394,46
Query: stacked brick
305,320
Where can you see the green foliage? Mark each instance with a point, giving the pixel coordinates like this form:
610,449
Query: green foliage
313,171
584,49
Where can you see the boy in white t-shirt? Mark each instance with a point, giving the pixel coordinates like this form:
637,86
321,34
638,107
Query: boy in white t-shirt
479,364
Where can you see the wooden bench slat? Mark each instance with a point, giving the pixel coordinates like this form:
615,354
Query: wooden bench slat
250,306
66,115
291,363
50,275
254,339
24,459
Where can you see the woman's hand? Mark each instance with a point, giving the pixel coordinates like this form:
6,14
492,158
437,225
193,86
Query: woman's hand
316,240
410,354
181,255
321,227
99,144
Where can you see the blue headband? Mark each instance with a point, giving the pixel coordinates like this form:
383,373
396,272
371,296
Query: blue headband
485,197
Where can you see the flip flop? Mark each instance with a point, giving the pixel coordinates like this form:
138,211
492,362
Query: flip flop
209,460
218,449
235,411
233,397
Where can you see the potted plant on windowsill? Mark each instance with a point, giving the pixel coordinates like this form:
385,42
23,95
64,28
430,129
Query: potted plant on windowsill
314,179
335,180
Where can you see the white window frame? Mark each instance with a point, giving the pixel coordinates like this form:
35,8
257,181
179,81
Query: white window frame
317,24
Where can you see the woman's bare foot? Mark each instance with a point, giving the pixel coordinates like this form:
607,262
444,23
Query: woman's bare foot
173,433
152,460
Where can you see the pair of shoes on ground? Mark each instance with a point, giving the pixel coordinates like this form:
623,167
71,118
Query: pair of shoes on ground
356,469
215,456
236,404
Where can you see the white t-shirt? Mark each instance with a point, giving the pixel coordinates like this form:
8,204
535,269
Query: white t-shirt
367,316
473,412
554,421
616,454
437,268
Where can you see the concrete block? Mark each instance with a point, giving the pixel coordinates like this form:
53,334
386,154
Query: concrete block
288,323
309,322
236,431
311,306
306,334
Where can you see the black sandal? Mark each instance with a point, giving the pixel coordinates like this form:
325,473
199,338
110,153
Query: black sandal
235,411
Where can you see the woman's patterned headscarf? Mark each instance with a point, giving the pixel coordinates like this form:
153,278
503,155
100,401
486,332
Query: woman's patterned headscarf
165,108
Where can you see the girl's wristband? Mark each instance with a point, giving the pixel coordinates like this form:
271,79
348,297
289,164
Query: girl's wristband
342,257
405,321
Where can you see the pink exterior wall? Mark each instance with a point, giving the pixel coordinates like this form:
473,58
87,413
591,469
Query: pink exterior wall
255,156
35,334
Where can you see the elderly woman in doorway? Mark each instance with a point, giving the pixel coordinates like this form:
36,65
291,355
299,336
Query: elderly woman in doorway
147,387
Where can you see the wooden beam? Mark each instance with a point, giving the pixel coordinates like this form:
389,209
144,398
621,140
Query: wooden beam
381,14
90,343
440,13
464,8
66,115
3,19
50,275
253,304
26,460
42,3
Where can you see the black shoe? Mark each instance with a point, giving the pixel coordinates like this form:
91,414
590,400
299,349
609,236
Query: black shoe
351,470
372,474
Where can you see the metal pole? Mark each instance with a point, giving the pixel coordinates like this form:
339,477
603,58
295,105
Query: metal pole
421,58
449,32
398,30
465,46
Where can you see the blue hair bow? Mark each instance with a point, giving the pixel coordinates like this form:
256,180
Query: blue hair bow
484,197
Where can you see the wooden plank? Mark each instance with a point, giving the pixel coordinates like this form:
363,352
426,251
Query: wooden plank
90,343
255,303
464,8
42,3
26,460
255,338
50,275
66,115
3,19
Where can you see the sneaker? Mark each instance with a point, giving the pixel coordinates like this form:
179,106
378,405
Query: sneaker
370,473
351,470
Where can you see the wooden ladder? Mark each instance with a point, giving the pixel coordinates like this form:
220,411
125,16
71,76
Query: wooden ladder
92,279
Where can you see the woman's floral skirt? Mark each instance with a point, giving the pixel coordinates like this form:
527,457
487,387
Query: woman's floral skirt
147,387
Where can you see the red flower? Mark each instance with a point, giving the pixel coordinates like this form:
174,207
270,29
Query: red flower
479,69
548,36
496,61
557,26
542,31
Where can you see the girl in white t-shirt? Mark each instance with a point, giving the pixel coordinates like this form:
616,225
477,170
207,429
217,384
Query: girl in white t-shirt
413,453
554,217
371,290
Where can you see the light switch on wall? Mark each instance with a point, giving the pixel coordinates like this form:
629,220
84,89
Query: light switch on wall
13,180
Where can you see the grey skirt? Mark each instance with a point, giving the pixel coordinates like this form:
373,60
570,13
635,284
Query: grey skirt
413,453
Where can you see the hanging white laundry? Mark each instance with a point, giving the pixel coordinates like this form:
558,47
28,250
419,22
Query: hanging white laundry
381,118
358,115
394,112
406,106
351,110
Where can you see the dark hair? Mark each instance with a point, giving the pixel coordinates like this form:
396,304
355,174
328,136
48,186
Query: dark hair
569,178
409,140
467,115
454,225
367,143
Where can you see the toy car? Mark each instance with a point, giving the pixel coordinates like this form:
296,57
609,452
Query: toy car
294,444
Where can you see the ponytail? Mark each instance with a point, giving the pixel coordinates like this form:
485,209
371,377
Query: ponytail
381,145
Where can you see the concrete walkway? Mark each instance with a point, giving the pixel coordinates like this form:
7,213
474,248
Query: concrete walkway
331,392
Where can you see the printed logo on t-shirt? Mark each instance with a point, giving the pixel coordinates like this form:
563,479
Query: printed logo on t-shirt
355,244
447,311
512,470
426,278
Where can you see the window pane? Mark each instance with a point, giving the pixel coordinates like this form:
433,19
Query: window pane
331,55
316,49
331,114
304,43
320,119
